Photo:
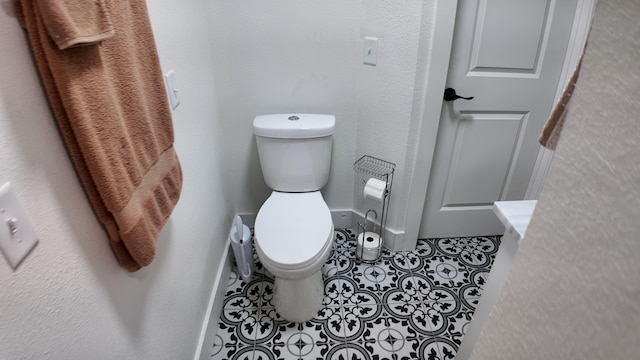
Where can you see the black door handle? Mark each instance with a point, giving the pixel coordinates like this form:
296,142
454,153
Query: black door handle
450,95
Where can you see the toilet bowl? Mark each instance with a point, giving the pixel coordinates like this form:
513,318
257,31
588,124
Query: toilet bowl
294,237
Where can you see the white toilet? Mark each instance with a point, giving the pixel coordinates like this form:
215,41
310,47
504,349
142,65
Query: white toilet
293,229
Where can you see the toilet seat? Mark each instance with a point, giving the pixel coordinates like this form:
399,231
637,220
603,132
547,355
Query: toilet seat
293,229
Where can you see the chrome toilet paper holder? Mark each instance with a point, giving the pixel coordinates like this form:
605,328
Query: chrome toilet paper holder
366,253
381,170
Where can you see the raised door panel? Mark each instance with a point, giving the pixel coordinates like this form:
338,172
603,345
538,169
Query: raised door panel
486,145
501,47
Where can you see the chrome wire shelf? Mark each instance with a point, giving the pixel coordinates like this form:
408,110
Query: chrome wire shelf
381,170
375,167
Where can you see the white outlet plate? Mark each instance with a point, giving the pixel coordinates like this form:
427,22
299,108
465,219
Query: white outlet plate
172,89
17,236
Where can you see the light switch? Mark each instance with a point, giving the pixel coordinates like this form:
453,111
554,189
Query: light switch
370,51
172,89
17,236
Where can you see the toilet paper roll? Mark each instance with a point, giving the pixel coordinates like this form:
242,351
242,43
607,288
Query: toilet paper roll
369,244
374,189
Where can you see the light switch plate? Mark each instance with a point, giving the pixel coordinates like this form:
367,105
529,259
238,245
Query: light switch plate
17,236
370,56
172,89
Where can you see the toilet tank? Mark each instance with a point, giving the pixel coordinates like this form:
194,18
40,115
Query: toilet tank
294,150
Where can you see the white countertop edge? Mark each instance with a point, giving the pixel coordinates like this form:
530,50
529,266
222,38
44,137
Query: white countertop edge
515,215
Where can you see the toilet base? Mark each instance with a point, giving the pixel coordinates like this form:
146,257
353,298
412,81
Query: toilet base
299,300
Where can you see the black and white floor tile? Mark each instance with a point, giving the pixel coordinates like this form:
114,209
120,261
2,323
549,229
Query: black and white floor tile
409,305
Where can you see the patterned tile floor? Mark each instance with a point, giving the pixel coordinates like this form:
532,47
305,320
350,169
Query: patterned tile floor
410,305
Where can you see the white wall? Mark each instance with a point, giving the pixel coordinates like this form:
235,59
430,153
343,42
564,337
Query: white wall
69,299
306,56
280,57
387,122
573,290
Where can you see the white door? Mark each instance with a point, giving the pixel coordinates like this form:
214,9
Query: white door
508,55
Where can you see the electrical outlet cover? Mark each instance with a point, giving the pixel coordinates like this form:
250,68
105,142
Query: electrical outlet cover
17,236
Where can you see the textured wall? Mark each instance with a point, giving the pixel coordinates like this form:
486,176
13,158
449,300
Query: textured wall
69,299
285,56
574,288
386,126
306,56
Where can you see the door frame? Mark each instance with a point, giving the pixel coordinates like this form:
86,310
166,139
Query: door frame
439,51
577,39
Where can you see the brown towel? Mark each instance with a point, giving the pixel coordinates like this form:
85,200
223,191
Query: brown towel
111,107
553,127
76,22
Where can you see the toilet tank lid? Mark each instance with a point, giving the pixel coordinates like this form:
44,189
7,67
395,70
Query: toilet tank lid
292,126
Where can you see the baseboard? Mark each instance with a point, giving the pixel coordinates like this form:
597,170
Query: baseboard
214,309
348,219
341,218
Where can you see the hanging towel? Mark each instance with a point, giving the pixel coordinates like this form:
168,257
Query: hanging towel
76,22
111,108
553,127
